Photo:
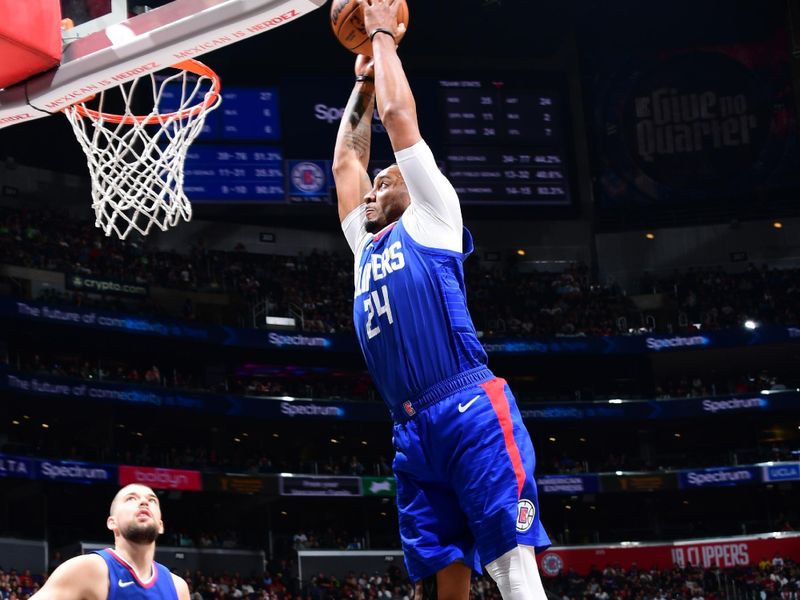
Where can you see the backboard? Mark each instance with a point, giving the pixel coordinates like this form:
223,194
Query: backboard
107,47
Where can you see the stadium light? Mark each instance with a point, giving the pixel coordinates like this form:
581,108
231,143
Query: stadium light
750,324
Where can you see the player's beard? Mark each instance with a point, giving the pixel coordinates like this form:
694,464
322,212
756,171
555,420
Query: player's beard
140,534
373,226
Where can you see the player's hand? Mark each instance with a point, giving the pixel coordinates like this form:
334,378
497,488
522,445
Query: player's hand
381,14
365,65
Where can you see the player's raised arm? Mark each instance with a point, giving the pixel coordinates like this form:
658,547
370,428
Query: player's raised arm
396,105
434,215
351,154
80,578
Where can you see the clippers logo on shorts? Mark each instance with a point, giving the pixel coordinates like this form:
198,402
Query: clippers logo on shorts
409,409
552,564
525,513
308,177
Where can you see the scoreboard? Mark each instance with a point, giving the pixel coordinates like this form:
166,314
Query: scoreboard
504,145
225,173
501,143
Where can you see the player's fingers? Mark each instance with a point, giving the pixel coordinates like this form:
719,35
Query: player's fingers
401,32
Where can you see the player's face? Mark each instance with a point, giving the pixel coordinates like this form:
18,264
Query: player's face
387,200
136,515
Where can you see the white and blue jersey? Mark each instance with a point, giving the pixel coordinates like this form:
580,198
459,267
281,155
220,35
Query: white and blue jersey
464,461
411,318
125,584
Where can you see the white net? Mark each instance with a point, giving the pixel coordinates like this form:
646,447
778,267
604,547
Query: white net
136,162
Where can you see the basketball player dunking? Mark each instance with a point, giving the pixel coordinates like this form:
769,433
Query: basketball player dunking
464,461
129,571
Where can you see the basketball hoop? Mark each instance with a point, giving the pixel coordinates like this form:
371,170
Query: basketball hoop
136,162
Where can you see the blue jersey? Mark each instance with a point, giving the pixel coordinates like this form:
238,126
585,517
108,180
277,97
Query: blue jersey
124,583
411,317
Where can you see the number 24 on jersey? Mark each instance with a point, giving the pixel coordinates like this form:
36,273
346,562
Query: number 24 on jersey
377,304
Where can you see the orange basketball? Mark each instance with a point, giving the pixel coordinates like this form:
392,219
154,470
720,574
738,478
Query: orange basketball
347,21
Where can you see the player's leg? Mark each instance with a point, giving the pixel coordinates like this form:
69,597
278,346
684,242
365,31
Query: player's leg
450,583
494,482
438,545
517,574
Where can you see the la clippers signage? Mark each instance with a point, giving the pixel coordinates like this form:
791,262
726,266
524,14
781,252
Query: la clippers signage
709,553
164,479
719,477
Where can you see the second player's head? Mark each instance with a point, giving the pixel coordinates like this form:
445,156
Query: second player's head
135,515
387,200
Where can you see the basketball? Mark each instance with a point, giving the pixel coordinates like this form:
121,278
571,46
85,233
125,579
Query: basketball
347,21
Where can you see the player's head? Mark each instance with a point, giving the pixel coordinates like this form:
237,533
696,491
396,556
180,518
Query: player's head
387,200
135,515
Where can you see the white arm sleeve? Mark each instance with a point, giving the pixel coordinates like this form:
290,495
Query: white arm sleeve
434,217
353,227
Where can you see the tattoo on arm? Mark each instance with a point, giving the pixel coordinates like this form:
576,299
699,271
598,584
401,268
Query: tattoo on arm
359,110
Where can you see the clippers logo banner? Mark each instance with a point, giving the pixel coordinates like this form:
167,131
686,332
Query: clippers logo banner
709,554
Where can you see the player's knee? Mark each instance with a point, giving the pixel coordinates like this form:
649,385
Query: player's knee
517,575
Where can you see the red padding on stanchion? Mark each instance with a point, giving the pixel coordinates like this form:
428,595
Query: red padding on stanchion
30,38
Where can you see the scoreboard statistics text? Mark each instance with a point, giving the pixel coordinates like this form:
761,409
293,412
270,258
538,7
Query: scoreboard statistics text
504,145
500,143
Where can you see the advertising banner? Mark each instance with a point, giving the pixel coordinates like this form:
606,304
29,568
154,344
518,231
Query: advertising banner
708,553
719,477
379,486
105,286
163,479
787,471
76,472
639,482
308,485
346,343
17,466
685,124
300,410
568,484
240,484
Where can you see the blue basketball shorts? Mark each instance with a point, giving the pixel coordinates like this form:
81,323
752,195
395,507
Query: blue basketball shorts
465,486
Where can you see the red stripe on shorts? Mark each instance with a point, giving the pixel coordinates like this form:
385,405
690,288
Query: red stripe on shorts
495,389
